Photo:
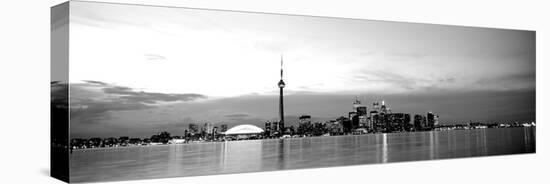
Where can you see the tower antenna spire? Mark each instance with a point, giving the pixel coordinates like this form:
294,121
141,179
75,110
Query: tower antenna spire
281,66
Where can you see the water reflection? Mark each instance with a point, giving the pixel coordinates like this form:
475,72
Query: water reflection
431,147
266,155
529,137
384,148
281,151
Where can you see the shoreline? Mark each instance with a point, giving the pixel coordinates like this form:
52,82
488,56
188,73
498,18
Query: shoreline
311,137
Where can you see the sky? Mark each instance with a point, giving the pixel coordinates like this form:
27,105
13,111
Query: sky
138,70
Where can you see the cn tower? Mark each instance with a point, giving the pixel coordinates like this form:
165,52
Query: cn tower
281,85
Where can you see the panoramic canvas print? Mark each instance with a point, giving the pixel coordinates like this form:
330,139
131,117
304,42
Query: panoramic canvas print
142,92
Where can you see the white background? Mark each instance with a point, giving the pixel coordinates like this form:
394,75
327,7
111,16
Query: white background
24,70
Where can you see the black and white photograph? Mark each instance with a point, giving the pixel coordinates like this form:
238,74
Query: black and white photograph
146,92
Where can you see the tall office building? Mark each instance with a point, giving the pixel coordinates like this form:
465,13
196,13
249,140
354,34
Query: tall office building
430,120
276,128
383,108
193,128
359,108
358,116
209,128
362,110
268,128
420,122
356,104
376,106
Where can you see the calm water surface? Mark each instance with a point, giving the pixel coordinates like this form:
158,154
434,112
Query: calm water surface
266,155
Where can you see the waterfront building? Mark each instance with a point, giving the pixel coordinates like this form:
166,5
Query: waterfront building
346,124
193,128
319,129
362,110
373,116
358,116
124,140
383,108
335,127
223,128
275,128
356,104
363,121
203,131
407,122
268,128
244,132
304,119
430,120
186,134
377,124
304,125
209,127
351,114
354,120
291,130
380,121
398,121
376,106
215,133
419,122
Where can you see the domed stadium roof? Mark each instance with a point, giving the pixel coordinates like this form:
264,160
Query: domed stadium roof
244,129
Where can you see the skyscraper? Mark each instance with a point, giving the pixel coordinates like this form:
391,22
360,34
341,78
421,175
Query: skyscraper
420,122
356,104
383,108
267,128
281,85
430,120
358,108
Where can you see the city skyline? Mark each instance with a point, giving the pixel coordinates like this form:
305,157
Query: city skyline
149,73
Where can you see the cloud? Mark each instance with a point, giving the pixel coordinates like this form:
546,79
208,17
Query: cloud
237,115
154,57
510,81
94,110
92,101
413,55
367,53
150,98
448,80
387,78
520,77
95,82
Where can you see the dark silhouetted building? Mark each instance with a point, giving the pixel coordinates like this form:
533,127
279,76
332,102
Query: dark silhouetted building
193,128
430,120
275,130
398,122
268,131
346,124
419,122
223,128
304,119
